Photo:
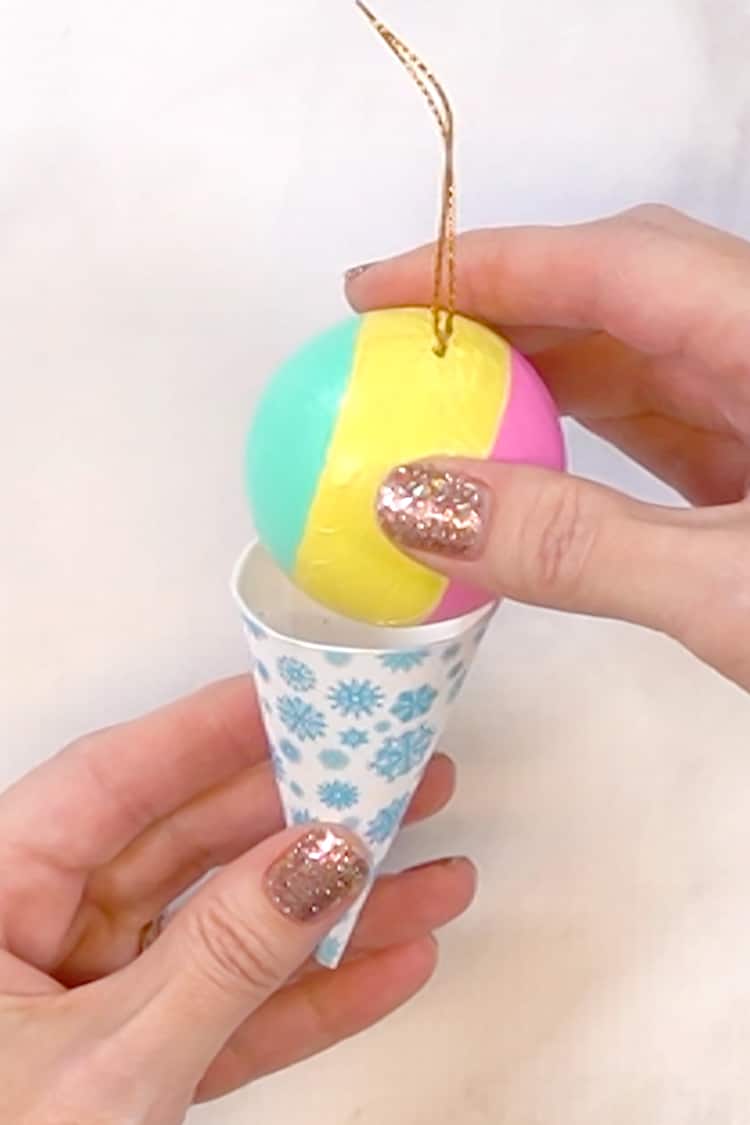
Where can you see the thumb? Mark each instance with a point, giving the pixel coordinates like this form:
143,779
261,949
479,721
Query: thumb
239,940
551,539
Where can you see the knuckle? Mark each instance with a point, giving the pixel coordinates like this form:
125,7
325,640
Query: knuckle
557,540
233,950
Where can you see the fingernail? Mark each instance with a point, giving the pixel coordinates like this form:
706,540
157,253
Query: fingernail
424,508
357,271
448,862
153,930
322,870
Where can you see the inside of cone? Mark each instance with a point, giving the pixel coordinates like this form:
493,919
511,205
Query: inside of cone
267,595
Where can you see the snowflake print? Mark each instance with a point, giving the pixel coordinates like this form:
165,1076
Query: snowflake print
338,659
451,653
290,752
382,827
401,754
301,816
456,670
383,727
356,698
279,766
329,950
338,795
334,759
412,705
296,675
353,738
297,790
301,718
403,661
262,671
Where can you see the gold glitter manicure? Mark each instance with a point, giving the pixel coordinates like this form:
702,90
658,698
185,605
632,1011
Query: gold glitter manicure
321,871
423,508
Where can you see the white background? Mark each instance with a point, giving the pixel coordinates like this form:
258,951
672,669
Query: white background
181,186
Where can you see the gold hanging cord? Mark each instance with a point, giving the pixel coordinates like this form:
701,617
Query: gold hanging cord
445,255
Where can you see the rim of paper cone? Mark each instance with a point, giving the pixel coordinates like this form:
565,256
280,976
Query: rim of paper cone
394,638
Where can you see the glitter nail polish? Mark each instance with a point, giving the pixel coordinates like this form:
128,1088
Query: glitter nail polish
424,508
322,870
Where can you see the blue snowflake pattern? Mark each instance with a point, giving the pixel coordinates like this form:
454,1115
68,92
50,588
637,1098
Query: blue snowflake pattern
290,751
296,675
383,727
338,795
353,738
412,705
403,753
384,824
456,670
297,790
279,766
258,633
329,950
451,653
334,759
356,698
262,671
456,687
338,659
266,705
301,718
403,661
301,816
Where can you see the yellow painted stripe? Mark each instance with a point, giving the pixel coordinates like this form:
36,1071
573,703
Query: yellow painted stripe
403,403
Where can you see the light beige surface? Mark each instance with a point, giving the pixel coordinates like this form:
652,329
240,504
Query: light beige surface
181,187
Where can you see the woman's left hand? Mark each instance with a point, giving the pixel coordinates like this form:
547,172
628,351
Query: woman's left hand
97,842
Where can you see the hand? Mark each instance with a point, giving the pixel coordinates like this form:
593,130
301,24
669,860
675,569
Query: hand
97,842
640,325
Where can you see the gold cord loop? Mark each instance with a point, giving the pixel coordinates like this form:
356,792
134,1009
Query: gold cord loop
445,255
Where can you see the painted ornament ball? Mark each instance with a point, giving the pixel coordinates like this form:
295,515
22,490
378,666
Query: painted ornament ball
351,405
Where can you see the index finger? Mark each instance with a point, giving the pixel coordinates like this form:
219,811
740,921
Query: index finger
654,279
85,805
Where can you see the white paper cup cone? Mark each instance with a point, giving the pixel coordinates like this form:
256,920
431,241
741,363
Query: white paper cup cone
353,712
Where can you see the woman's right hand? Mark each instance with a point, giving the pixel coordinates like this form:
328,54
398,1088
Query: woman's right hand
640,325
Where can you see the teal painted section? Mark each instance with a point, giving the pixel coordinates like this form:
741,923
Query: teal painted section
290,435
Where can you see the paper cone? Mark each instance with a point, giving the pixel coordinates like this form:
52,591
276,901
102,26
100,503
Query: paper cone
353,712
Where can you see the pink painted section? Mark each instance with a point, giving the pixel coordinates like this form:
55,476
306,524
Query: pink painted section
530,434
457,601
530,430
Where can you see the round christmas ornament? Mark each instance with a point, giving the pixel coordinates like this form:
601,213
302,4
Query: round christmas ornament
364,397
